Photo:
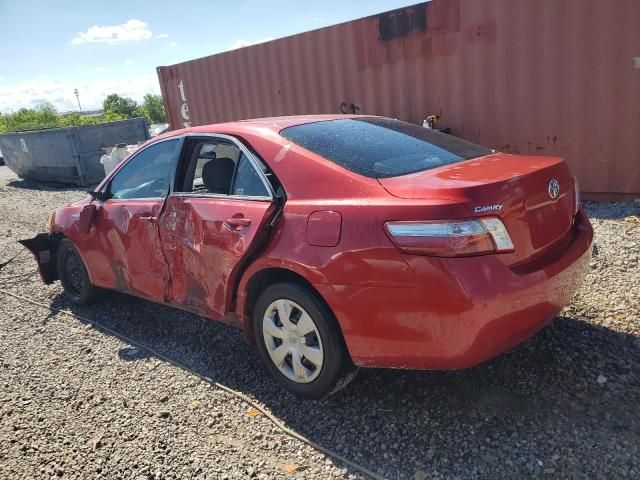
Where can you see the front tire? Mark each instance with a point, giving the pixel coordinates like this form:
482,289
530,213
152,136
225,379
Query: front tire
73,275
300,341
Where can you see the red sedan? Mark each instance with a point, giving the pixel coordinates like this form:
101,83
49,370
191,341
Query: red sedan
334,242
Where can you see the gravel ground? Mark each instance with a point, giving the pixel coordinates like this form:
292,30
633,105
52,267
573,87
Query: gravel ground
78,403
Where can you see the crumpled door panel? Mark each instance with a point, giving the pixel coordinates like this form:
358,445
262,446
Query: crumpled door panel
206,241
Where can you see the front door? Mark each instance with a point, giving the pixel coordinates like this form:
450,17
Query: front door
215,217
126,253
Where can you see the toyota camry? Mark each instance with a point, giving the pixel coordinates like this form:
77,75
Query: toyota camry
333,242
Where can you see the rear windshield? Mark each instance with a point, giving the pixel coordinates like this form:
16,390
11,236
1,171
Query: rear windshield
381,147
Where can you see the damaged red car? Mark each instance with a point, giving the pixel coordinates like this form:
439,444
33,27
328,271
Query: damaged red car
334,242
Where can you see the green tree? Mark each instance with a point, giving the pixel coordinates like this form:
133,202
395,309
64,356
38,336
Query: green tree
115,108
121,105
47,113
43,116
153,108
69,120
89,120
111,116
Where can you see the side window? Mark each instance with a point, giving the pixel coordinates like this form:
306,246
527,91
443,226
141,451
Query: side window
146,174
220,167
248,181
212,166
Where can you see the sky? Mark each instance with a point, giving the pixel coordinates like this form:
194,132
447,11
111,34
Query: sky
49,48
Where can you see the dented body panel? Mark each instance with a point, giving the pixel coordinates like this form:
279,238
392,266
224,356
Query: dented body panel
203,253
124,252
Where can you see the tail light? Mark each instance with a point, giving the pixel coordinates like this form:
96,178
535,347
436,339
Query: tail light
450,238
576,195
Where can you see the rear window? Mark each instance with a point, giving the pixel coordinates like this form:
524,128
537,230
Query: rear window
381,147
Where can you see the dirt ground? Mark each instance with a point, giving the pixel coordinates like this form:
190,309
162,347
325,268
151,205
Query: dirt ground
76,402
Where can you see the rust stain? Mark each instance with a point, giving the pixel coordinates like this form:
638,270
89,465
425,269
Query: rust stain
402,22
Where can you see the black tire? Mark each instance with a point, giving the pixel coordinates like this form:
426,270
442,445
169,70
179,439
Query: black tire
337,368
73,275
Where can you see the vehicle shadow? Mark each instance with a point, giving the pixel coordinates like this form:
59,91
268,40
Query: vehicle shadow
44,186
520,415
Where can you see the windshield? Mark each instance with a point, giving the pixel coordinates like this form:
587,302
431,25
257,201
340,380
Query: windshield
381,147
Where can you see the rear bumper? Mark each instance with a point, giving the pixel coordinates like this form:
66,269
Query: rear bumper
461,311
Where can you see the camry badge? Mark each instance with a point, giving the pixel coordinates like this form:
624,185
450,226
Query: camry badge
554,188
488,208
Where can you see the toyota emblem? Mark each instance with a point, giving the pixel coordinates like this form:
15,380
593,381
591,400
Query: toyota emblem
554,188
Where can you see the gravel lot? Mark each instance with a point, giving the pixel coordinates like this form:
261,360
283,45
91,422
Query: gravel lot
78,403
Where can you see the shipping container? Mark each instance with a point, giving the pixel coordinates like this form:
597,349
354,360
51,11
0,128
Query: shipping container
541,77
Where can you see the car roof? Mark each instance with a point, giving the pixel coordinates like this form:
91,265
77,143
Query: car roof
274,124
292,164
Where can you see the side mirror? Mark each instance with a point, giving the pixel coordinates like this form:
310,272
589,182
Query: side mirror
102,196
86,218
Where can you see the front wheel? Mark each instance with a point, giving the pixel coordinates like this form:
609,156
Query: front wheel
300,341
73,275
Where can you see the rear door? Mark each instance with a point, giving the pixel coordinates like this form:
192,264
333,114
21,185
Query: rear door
214,219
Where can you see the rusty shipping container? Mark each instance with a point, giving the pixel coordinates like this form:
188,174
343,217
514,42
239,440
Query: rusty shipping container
524,76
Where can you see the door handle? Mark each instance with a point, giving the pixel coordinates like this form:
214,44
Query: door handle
234,224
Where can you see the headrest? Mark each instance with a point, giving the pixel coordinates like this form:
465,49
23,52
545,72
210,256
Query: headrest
217,175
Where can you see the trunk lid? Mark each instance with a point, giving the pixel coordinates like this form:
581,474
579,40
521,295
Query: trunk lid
515,188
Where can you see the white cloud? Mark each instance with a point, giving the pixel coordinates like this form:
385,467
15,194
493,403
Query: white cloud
245,43
102,69
131,31
128,61
172,44
32,93
162,35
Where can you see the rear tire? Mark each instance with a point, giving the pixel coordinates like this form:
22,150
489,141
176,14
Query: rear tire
73,275
300,341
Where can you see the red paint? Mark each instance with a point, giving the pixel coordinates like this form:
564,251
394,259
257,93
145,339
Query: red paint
204,253
535,222
394,309
456,312
86,217
323,228
123,251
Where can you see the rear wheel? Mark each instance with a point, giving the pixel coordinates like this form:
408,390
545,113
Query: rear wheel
73,275
300,341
